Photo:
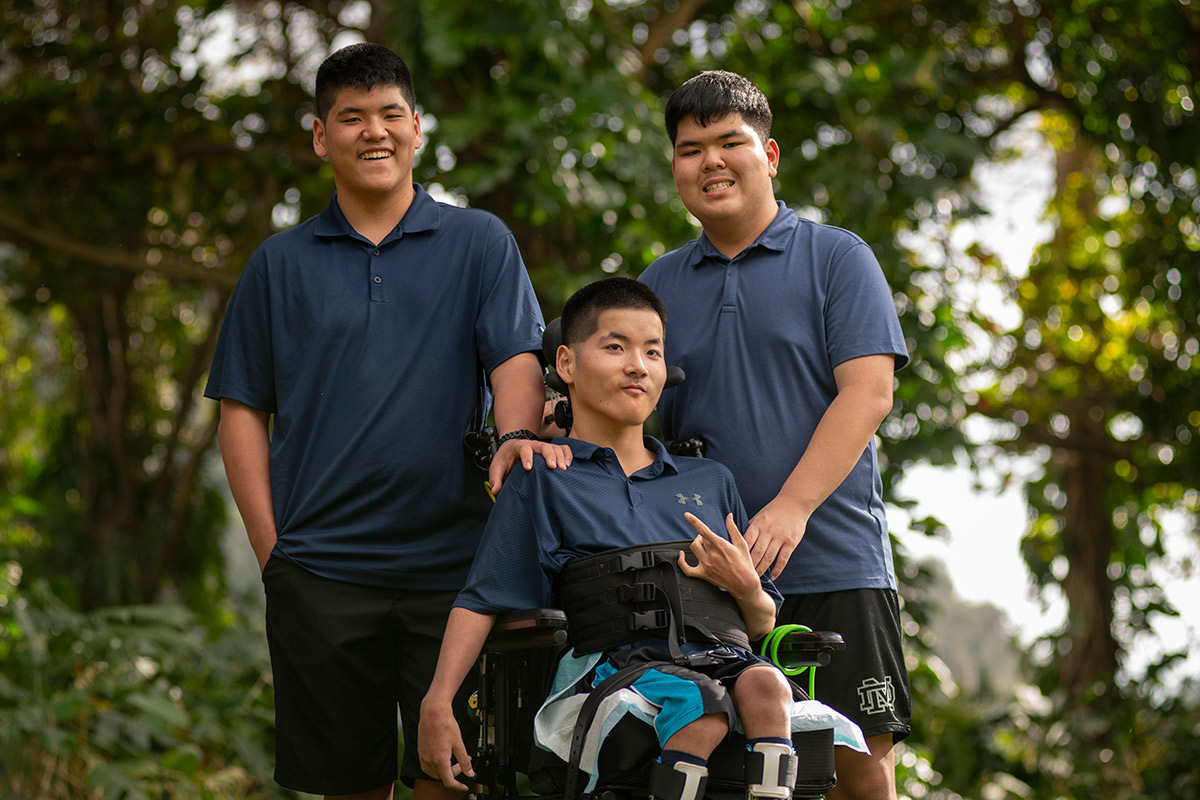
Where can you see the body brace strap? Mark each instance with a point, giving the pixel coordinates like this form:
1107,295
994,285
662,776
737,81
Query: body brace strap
624,596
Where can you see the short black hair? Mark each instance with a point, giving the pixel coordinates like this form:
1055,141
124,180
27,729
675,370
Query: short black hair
581,313
714,95
362,66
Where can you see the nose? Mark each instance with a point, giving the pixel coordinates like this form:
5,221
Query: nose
713,159
373,128
636,364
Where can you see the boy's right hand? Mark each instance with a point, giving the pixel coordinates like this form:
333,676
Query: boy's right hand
440,741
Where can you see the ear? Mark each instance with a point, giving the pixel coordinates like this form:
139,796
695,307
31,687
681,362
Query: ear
417,130
564,364
319,138
772,149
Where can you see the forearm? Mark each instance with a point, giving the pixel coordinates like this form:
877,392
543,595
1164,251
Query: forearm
758,611
462,642
520,396
864,398
246,453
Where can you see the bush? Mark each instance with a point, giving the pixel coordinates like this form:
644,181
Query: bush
131,702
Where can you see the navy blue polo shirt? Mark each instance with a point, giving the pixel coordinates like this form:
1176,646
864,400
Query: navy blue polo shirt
373,360
758,336
546,517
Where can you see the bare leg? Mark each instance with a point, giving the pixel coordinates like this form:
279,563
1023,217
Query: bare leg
434,790
866,776
700,737
764,703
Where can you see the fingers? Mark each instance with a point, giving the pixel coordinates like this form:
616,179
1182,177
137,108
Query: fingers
698,524
735,535
446,770
768,548
781,560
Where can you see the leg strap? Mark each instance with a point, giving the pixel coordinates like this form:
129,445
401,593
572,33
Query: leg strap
680,781
770,771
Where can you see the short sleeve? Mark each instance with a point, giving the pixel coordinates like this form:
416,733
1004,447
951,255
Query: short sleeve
243,364
510,319
507,574
860,314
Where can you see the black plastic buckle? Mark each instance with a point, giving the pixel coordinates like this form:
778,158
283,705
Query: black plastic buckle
637,592
648,620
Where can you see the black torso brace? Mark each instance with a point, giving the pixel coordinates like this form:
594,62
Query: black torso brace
624,596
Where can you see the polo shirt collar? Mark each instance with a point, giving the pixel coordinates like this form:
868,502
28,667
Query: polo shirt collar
423,215
775,237
663,461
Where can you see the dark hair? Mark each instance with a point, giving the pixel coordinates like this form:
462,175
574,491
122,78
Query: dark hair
716,94
362,66
582,310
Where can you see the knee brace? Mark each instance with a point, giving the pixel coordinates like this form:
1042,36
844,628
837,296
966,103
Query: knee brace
680,781
770,771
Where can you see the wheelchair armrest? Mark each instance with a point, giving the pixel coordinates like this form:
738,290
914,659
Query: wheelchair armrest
529,628
809,648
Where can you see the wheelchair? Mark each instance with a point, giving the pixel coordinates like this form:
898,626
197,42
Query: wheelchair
518,665
516,669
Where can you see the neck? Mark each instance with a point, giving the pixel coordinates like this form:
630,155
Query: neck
732,237
624,440
376,217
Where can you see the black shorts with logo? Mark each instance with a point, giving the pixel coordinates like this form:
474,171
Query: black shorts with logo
867,682
343,657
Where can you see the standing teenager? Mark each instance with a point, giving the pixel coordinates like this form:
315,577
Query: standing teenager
789,338
357,350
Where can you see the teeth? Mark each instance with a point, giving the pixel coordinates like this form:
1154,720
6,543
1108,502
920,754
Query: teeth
716,187
374,156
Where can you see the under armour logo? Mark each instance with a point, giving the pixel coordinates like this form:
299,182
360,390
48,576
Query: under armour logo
683,499
877,696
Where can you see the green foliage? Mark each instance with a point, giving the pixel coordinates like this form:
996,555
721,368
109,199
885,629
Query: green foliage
130,702
156,149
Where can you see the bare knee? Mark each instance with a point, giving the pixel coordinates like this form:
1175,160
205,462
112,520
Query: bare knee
764,699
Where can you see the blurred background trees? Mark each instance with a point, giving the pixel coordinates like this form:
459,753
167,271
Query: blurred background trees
152,145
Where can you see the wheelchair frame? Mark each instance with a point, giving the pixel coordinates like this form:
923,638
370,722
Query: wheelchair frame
516,666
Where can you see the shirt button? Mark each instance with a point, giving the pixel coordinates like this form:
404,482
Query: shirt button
376,252
378,279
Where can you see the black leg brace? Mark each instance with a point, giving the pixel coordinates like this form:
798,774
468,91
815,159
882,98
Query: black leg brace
681,781
770,771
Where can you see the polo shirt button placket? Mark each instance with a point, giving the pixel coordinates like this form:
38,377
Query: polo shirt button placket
377,294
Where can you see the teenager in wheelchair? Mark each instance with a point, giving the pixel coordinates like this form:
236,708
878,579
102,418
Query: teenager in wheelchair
669,618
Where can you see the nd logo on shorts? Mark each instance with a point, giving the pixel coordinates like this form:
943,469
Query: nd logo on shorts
877,697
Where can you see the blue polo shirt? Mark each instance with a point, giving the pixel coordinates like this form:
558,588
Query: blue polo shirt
546,517
373,360
758,336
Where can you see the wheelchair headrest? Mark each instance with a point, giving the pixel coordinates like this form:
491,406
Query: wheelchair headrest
553,337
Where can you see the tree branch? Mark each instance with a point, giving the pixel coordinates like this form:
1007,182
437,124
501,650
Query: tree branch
56,242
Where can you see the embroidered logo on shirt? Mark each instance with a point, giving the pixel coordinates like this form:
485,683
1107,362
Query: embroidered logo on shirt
683,499
877,696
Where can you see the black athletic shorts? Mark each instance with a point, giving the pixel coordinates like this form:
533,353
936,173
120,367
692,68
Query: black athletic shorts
343,657
868,681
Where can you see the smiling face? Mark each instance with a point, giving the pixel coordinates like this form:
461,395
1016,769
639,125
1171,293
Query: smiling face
616,374
370,137
723,172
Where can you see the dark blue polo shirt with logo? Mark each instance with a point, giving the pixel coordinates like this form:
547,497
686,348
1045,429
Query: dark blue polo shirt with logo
759,336
546,517
373,360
